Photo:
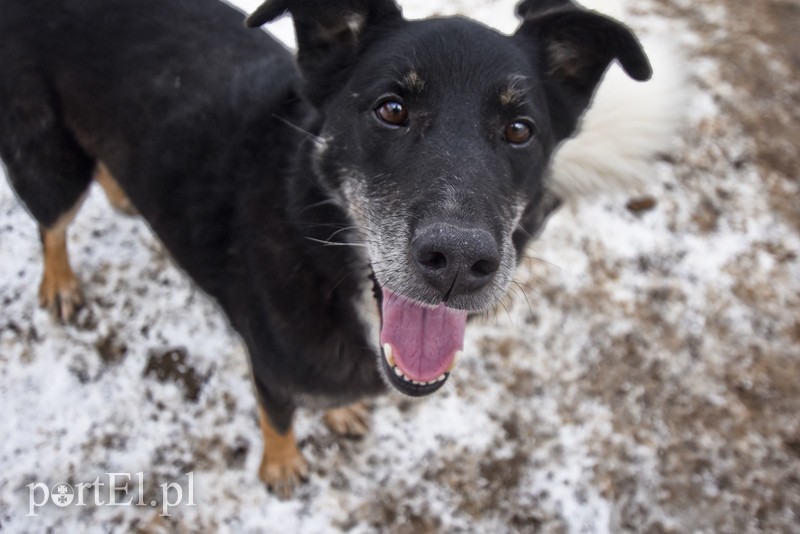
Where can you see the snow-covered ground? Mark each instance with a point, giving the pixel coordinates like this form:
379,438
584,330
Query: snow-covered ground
643,376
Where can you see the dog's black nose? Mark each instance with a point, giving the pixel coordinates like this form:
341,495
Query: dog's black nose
453,259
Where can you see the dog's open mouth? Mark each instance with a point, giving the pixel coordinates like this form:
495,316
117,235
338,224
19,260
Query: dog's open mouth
421,343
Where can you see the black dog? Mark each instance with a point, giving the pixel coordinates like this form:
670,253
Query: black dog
347,215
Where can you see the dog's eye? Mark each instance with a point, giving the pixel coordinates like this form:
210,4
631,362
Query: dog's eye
518,132
392,112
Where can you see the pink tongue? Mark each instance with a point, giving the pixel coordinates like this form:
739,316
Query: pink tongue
424,339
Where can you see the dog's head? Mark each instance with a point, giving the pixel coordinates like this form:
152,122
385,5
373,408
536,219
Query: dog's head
436,135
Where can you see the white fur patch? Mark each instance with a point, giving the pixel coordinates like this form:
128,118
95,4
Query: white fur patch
627,125
369,315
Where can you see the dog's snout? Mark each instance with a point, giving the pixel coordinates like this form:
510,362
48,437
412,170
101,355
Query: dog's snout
455,260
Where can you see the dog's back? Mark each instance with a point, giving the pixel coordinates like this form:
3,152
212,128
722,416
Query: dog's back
157,91
173,57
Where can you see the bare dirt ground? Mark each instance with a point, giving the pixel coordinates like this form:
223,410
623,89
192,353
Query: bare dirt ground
643,377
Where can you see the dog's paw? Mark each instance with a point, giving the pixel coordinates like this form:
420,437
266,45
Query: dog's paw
351,421
285,475
61,296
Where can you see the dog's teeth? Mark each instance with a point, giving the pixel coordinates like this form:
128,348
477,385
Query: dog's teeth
400,374
388,351
457,357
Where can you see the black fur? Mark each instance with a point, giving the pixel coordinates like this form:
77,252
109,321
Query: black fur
246,169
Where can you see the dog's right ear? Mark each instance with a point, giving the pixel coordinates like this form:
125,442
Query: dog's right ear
574,47
328,31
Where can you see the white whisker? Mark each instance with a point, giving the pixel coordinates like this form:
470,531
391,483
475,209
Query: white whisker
334,243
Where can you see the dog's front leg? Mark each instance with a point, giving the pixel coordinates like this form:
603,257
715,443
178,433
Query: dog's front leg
283,467
59,291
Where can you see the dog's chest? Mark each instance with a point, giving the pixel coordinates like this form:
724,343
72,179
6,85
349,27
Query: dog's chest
347,366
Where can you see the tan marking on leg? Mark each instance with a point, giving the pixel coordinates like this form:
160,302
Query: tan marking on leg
116,196
59,290
283,468
351,421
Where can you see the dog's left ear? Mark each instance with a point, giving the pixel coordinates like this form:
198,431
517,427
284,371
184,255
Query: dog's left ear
328,31
575,46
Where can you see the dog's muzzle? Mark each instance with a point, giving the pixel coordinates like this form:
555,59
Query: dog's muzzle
421,342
